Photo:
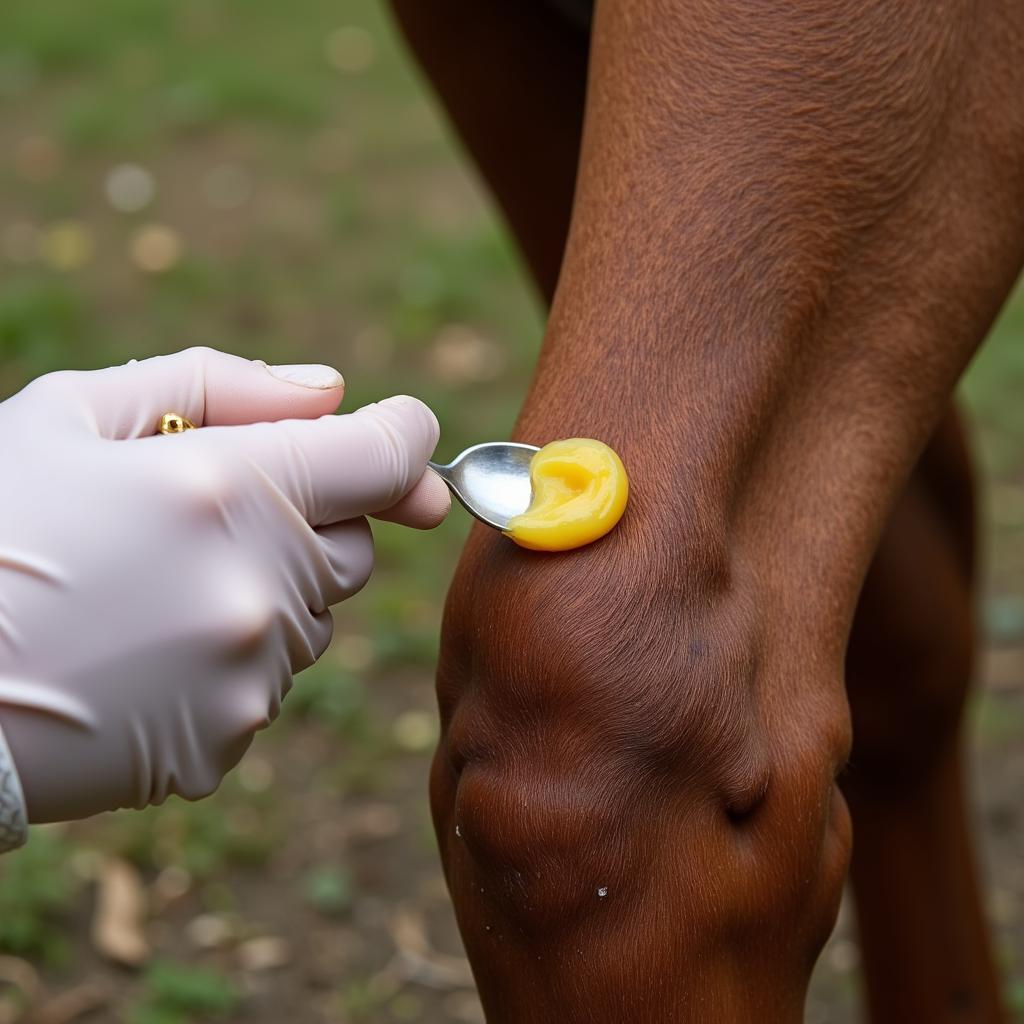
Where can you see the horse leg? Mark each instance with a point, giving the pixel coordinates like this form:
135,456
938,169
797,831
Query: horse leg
923,938
908,662
606,714
512,78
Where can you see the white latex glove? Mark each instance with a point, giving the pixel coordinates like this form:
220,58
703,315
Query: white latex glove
158,592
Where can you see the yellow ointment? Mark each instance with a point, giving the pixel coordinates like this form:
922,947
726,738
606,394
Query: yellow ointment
579,494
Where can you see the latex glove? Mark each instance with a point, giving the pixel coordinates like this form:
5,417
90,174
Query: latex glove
158,592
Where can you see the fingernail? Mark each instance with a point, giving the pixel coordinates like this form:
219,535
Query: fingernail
398,400
308,375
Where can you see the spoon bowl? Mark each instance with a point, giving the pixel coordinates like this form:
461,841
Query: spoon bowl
491,480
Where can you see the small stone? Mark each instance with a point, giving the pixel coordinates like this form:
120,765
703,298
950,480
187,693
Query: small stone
603,891
156,248
264,953
130,188
210,931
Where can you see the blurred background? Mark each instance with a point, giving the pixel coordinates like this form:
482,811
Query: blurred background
272,179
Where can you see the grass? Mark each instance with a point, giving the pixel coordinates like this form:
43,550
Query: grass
36,890
177,994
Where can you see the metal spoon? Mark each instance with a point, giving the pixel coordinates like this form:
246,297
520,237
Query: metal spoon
492,481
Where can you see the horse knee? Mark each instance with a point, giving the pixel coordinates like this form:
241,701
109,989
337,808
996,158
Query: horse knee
596,769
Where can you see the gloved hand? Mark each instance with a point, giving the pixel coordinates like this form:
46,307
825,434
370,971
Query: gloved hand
158,592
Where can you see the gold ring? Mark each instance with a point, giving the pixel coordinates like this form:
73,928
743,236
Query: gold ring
174,423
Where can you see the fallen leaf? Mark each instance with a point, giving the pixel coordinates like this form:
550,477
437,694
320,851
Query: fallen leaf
211,931
264,953
74,1003
416,960
117,925
21,975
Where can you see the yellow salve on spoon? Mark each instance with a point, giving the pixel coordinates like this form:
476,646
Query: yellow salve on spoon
579,494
